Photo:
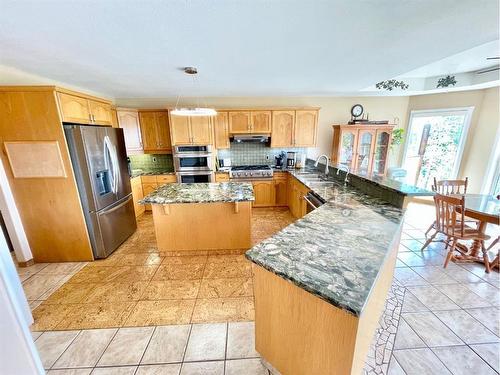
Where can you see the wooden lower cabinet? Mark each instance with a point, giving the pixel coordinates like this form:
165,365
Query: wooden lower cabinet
280,181
264,193
296,193
221,177
151,182
137,195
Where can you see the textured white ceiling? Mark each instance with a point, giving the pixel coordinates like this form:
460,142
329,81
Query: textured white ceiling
242,48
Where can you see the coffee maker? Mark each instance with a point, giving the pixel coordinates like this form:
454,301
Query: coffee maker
290,159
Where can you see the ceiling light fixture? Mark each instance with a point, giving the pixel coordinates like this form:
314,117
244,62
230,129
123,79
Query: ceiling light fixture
192,111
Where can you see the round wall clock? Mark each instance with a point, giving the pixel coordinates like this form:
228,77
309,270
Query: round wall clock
357,110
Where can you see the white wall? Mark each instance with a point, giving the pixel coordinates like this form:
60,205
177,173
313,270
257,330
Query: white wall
18,354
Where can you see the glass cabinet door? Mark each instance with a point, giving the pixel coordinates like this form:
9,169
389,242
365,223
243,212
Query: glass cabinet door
347,148
365,142
381,152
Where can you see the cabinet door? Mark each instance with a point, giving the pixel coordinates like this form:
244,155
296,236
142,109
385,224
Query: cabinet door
382,142
261,121
179,129
137,195
366,140
264,193
221,130
347,147
166,179
305,128
148,131
282,128
201,130
280,192
74,109
114,118
100,112
129,122
221,177
163,131
239,122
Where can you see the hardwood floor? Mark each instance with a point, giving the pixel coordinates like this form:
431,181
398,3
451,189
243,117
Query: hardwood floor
141,286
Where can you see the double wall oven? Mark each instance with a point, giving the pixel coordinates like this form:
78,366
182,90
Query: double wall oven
194,163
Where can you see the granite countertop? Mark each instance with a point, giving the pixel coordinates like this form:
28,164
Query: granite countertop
394,184
336,251
154,172
200,193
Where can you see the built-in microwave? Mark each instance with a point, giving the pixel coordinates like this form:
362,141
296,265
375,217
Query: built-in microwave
195,177
193,158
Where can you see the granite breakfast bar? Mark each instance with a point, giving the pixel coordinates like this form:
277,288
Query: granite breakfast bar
320,284
202,216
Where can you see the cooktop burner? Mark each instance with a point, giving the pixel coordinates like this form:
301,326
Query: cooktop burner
251,171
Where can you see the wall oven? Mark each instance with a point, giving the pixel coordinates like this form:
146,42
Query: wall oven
193,159
195,177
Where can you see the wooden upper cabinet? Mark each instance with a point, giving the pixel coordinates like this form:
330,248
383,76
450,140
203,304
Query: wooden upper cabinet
155,131
179,130
201,130
114,118
260,121
148,131
239,122
163,130
74,109
282,128
128,120
305,128
81,110
195,130
100,113
221,130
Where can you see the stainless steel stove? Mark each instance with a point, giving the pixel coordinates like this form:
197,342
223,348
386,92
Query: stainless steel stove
251,172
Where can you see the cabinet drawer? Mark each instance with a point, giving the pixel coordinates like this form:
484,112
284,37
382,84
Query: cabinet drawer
148,179
221,177
280,175
166,179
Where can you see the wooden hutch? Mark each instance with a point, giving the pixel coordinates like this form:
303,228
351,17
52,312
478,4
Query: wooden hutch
363,148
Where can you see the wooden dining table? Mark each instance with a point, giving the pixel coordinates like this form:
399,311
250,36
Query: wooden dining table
486,210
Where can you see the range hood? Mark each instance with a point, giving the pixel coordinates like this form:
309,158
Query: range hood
250,138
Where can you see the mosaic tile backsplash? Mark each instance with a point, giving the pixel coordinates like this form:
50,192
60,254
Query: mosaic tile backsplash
254,153
152,162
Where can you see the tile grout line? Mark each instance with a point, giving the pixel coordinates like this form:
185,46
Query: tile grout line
64,351
146,348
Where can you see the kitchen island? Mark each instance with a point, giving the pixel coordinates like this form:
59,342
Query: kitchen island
321,283
202,216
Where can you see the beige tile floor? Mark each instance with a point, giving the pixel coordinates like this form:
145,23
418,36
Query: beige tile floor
450,324
141,286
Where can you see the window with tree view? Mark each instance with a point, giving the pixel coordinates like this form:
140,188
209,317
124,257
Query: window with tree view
434,145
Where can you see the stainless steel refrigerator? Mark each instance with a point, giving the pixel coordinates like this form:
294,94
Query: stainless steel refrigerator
99,161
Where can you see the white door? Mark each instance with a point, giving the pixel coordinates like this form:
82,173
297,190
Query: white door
434,145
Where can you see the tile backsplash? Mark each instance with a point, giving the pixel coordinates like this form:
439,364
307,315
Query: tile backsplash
253,153
151,162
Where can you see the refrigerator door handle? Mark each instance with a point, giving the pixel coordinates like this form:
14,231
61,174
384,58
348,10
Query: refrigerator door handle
111,163
117,207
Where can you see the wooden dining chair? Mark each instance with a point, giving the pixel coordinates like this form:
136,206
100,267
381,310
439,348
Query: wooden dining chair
450,221
445,187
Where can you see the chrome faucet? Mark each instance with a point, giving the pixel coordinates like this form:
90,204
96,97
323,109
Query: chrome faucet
345,168
327,162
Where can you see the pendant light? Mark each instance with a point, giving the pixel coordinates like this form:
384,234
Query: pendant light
192,111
